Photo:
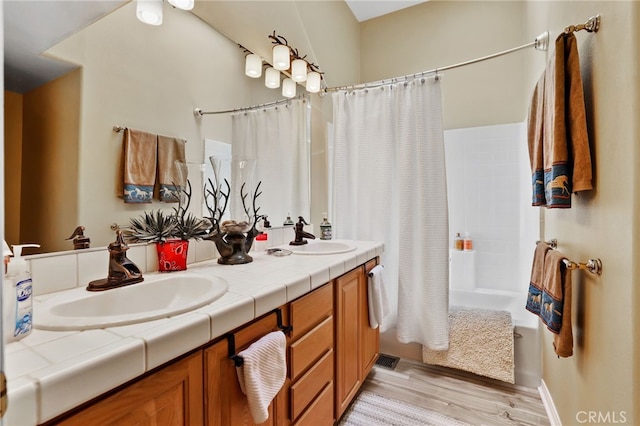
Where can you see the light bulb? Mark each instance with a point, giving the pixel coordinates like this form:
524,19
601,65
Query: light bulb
182,4
281,57
149,11
288,88
299,70
253,65
313,82
272,78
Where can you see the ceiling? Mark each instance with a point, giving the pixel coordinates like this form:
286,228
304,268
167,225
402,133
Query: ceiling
32,27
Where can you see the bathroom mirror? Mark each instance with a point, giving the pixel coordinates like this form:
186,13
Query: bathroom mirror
64,154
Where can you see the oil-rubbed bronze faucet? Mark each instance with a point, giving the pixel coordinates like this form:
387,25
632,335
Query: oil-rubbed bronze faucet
300,233
79,239
122,271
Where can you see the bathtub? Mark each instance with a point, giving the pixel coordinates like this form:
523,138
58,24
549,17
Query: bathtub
527,352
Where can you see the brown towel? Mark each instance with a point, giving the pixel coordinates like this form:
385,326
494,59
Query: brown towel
557,130
556,302
172,170
139,168
534,298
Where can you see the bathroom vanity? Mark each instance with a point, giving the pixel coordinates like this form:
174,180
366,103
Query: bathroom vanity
184,371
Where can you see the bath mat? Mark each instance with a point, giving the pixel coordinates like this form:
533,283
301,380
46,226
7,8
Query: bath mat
371,409
480,341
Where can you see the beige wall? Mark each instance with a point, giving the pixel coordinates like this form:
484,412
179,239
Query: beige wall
602,374
150,78
440,33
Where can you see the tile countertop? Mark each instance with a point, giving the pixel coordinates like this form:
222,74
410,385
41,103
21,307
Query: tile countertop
51,372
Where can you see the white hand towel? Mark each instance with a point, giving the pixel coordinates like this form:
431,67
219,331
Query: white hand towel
263,373
378,299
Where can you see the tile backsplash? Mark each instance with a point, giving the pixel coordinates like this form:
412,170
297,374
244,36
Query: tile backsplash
76,268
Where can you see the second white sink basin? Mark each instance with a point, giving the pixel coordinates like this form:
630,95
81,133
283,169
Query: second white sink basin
323,247
158,296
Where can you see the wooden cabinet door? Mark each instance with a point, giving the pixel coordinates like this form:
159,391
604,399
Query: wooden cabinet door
369,337
347,343
171,396
225,404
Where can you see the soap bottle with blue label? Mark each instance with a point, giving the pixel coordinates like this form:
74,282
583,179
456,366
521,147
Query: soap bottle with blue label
325,228
18,297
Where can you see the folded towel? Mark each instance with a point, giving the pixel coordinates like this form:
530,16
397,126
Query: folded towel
378,299
172,170
139,154
557,130
534,298
556,302
263,373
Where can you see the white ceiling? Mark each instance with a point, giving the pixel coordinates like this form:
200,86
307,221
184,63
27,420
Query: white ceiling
368,9
31,27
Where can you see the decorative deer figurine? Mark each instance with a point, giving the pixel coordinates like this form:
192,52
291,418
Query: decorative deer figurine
232,239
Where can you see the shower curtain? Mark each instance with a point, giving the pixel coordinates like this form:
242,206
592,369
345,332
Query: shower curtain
389,184
272,145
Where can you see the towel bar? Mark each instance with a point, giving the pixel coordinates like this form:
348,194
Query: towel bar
593,265
553,243
237,360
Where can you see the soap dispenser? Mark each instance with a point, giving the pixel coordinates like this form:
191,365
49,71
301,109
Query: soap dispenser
325,228
18,290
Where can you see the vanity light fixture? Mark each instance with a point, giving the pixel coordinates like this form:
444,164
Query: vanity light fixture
149,11
288,88
182,4
313,82
299,70
272,78
287,61
281,57
253,65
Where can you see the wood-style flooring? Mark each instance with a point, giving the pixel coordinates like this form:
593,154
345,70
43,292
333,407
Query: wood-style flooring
464,396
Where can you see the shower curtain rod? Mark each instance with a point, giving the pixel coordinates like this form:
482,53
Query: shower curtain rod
199,112
540,43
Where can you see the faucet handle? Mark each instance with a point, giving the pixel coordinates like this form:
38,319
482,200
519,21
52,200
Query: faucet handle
301,220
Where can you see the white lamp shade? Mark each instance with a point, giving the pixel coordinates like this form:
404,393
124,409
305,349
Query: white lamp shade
288,88
253,65
313,82
281,57
149,11
299,70
272,78
182,4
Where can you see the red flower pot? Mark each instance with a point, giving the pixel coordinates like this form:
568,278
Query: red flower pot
172,255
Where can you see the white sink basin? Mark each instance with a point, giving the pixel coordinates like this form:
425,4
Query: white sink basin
323,247
158,296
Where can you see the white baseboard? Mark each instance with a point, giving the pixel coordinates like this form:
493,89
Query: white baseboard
549,406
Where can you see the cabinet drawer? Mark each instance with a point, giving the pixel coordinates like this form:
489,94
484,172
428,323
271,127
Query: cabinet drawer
310,347
310,385
320,413
308,311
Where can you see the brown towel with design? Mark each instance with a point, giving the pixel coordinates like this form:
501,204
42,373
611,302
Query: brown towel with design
139,168
172,167
557,129
556,309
